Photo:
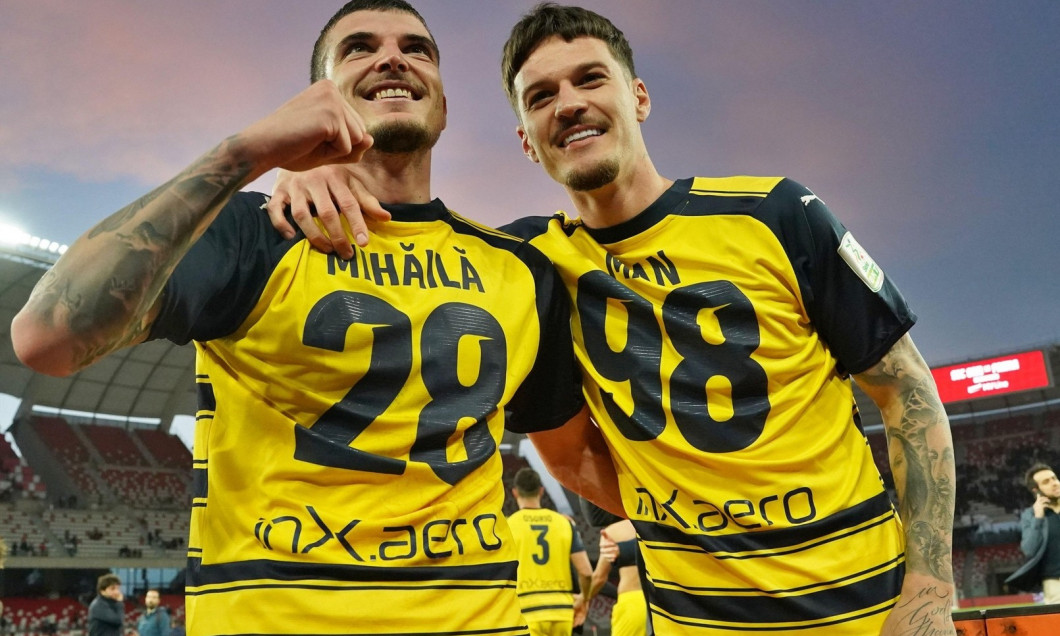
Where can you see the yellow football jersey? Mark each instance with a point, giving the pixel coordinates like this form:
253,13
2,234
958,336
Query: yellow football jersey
716,331
545,539
346,469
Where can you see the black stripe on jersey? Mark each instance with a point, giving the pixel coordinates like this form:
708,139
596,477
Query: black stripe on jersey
235,572
786,628
466,632
886,565
763,610
571,591
207,401
346,587
541,608
199,482
877,508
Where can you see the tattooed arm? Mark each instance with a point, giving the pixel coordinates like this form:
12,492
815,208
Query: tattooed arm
921,454
103,294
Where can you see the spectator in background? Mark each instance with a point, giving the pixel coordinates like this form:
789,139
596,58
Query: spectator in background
155,619
178,627
106,613
1037,524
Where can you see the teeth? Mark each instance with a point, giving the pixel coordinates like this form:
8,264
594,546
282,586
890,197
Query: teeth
592,132
388,93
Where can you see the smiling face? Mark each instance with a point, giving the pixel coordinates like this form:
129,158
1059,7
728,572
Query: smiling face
386,65
580,112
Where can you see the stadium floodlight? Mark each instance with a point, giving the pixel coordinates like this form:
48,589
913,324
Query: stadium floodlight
17,237
13,236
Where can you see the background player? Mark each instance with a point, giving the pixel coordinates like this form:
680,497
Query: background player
350,411
548,545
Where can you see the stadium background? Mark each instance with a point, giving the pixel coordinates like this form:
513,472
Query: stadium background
95,478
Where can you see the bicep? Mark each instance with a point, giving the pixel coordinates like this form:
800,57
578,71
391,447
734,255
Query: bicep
899,379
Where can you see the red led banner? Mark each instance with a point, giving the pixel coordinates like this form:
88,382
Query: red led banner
996,376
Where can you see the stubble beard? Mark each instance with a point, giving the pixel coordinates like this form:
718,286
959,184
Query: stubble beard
403,137
596,176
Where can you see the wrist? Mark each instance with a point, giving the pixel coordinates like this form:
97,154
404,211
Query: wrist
238,154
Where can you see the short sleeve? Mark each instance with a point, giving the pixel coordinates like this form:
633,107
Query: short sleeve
857,309
219,280
551,394
576,544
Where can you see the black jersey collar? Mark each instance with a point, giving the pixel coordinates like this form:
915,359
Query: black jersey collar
417,212
651,215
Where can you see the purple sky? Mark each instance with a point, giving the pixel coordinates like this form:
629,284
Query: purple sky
931,129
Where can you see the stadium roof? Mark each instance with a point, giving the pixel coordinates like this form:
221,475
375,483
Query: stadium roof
153,380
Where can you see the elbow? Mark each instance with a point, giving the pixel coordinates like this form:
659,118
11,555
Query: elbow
40,348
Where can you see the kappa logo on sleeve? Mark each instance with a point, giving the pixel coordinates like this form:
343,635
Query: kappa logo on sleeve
860,261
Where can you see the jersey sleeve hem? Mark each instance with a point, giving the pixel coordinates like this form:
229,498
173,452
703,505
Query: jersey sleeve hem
877,354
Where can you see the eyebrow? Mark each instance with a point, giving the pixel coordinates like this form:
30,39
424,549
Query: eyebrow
364,36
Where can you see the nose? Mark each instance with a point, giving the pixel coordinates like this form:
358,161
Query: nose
569,101
391,58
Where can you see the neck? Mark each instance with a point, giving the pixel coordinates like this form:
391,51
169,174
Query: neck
622,199
396,178
528,503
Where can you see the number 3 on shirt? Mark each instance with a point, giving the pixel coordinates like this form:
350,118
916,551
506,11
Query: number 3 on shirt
327,441
639,362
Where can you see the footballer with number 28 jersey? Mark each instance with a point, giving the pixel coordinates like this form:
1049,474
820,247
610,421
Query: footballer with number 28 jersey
346,471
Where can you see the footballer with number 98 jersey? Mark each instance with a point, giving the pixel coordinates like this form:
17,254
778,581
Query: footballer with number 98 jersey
716,331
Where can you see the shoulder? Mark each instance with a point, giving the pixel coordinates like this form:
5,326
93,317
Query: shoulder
529,227
501,238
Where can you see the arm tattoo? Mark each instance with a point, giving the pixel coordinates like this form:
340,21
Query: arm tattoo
922,461
105,286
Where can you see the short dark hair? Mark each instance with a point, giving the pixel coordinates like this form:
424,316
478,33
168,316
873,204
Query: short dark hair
1028,477
106,581
527,482
548,19
316,67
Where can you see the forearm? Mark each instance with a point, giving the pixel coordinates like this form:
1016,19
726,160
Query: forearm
99,296
920,448
578,457
598,579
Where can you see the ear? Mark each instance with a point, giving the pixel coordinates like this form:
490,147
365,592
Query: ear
445,113
640,94
515,493
528,150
